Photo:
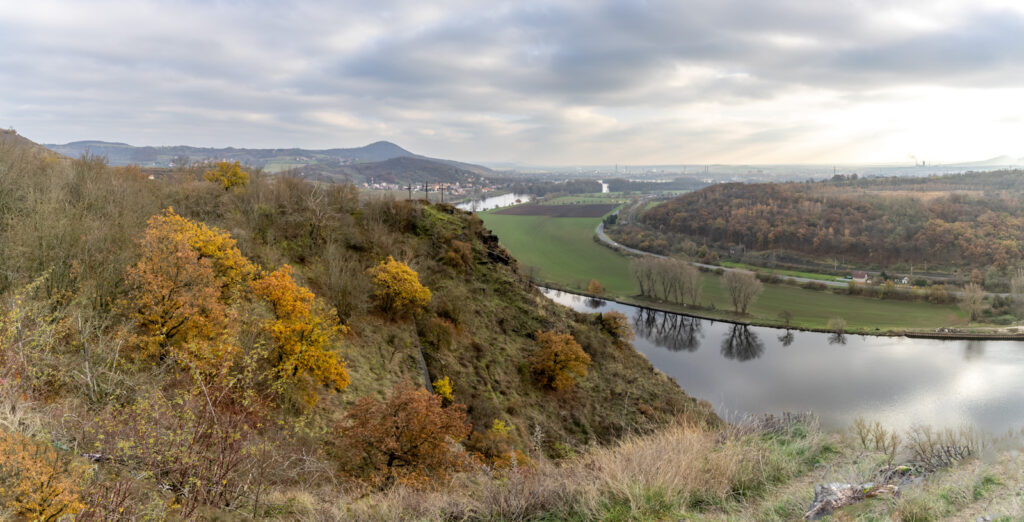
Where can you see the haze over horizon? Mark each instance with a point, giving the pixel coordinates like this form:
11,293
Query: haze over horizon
555,83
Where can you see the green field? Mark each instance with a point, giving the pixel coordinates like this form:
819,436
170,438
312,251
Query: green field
563,251
781,273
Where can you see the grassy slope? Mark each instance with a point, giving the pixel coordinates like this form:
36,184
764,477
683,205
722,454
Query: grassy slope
563,251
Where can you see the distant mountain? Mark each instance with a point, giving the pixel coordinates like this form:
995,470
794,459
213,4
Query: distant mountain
400,170
125,154
381,161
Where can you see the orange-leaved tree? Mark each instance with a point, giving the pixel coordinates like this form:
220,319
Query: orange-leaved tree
409,438
37,482
305,330
228,175
177,291
399,290
559,360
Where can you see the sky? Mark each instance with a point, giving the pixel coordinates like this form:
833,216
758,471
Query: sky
588,82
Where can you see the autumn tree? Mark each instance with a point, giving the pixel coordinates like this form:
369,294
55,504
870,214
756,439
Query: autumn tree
742,287
558,361
228,175
595,287
398,288
304,329
37,482
409,438
178,291
617,325
971,300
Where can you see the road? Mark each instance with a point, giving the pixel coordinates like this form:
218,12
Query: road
618,246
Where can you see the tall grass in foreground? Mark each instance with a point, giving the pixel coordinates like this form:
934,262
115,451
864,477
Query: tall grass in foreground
682,469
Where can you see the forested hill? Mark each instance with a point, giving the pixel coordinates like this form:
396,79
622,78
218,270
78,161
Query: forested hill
962,220
381,161
207,339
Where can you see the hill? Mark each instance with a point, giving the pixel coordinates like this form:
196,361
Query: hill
180,301
381,160
12,141
939,224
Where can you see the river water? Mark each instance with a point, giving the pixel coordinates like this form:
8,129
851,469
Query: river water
503,200
896,380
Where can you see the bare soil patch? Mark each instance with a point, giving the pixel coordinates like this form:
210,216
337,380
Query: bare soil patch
582,211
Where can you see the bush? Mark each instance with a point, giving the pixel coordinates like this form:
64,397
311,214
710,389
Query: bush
410,438
617,325
559,361
37,482
398,288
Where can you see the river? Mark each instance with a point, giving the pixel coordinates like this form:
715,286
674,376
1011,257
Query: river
896,380
503,200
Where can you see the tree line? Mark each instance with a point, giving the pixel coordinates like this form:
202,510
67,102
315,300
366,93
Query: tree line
821,219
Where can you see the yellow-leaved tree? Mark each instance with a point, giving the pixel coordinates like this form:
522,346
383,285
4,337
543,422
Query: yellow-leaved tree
399,290
304,329
559,360
228,175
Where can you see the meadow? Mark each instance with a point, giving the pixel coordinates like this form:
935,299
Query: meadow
562,251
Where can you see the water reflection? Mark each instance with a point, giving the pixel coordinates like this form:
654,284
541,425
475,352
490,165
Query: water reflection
837,338
742,344
787,338
672,331
974,350
895,380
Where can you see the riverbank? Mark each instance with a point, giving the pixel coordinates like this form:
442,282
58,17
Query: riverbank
564,252
951,334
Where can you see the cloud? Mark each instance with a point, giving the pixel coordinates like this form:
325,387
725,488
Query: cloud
569,82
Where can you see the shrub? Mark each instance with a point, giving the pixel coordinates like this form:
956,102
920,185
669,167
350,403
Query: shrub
37,482
443,387
559,360
398,288
617,325
409,438
438,333
595,287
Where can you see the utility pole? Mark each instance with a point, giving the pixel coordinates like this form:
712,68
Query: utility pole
442,193
426,191
410,190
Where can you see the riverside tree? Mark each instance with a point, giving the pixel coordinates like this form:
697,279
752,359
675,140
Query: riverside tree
742,287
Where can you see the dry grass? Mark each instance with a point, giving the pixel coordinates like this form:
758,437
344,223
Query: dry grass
677,471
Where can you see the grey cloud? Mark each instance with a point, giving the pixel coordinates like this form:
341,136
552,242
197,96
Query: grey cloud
478,73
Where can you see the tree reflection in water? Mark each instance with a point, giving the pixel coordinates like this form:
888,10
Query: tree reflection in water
974,350
787,338
837,338
672,331
742,344
593,303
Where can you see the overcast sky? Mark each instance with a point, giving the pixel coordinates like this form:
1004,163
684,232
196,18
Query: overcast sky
587,82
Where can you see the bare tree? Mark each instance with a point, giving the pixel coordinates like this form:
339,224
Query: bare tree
742,287
1017,291
971,299
690,284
